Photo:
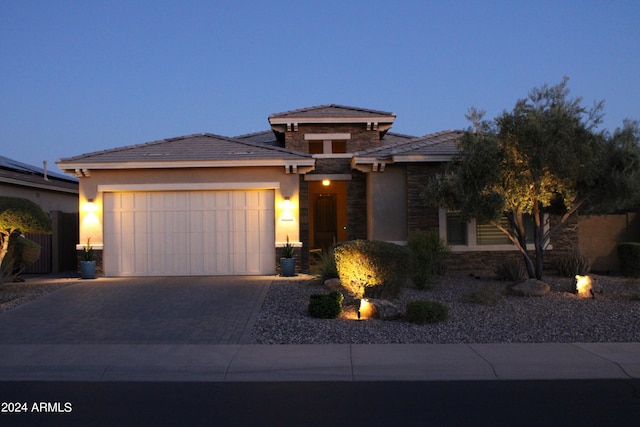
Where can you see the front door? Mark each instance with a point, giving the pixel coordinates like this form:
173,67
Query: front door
325,221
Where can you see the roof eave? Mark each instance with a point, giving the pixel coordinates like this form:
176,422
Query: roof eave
72,167
319,120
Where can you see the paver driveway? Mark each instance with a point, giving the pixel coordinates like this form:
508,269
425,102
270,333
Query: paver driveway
166,310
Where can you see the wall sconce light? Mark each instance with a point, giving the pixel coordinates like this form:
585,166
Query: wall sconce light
326,182
90,206
287,215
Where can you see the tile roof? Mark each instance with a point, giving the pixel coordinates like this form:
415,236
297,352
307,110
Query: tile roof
443,143
264,137
331,110
198,147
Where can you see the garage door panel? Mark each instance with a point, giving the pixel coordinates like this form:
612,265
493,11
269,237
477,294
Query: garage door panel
189,233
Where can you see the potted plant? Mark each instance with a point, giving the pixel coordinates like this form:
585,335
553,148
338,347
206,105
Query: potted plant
288,262
88,265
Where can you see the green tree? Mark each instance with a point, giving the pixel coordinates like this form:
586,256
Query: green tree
20,216
545,155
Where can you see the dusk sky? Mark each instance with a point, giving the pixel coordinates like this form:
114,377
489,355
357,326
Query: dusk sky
87,75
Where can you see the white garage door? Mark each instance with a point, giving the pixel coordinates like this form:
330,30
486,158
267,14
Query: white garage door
189,233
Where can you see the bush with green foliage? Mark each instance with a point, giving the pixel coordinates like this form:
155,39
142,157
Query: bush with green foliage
629,255
425,311
428,254
575,262
511,270
325,306
371,268
20,216
20,253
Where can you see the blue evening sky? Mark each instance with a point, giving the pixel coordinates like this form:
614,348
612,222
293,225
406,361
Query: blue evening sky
83,75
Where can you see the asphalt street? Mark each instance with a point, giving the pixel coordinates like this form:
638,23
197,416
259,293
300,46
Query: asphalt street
435,403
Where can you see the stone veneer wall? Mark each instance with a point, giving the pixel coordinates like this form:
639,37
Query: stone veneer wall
361,138
419,215
357,206
304,224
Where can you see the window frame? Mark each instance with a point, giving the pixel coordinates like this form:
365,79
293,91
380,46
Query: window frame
472,237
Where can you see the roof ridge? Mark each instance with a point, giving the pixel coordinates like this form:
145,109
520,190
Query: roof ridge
345,107
185,137
250,134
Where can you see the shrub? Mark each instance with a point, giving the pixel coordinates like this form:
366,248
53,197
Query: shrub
512,271
422,311
20,253
573,263
325,306
371,268
325,265
428,253
629,254
485,295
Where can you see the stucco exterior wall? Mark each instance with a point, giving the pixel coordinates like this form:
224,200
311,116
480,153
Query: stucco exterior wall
387,204
48,200
599,236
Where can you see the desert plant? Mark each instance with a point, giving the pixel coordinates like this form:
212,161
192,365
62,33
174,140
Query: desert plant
325,265
428,253
425,311
371,268
325,306
575,262
511,271
629,254
485,295
288,249
88,251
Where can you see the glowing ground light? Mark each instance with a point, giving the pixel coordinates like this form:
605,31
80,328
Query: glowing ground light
583,286
366,309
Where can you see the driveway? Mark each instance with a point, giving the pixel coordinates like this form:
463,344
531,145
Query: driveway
158,310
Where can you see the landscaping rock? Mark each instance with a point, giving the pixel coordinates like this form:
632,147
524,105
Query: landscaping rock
530,288
333,284
384,310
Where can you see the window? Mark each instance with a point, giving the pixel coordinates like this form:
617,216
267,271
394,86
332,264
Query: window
471,236
339,146
316,147
456,229
327,147
487,234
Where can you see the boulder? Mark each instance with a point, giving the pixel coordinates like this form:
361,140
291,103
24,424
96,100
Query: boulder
530,288
383,309
333,284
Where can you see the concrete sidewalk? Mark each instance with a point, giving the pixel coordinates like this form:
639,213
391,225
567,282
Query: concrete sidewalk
335,362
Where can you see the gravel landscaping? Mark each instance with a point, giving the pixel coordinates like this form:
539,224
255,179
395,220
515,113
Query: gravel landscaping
13,294
491,317
479,312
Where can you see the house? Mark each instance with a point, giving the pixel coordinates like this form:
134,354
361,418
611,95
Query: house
207,204
57,195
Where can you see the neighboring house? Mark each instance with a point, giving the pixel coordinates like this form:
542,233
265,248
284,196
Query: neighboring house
57,195
206,204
